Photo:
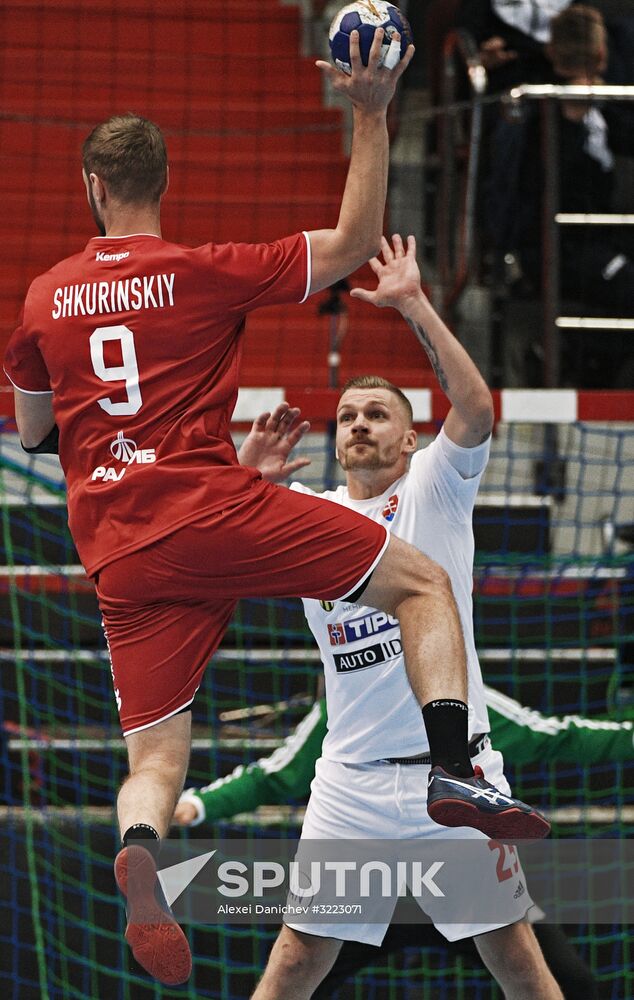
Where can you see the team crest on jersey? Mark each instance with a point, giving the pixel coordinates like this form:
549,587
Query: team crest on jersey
327,605
336,634
122,448
390,508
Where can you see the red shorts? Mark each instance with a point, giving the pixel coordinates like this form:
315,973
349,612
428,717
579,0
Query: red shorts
166,607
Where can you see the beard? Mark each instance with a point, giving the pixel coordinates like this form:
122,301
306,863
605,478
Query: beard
370,458
95,213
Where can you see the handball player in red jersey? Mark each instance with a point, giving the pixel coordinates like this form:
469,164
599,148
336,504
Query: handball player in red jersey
126,360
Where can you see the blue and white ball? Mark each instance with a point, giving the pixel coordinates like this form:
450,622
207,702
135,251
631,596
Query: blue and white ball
365,16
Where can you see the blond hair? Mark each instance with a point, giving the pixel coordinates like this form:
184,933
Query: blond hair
376,382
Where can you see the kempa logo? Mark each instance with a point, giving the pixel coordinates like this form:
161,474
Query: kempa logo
102,255
124,449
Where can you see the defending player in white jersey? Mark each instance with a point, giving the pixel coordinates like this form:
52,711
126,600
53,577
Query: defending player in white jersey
375,757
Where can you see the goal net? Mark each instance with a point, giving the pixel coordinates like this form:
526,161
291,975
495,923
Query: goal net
554,615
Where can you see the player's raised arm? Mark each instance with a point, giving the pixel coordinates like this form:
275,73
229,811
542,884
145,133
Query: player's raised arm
470,419
337,252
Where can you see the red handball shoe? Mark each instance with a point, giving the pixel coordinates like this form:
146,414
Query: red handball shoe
157,942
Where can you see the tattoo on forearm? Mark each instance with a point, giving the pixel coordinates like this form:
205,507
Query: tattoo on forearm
430,350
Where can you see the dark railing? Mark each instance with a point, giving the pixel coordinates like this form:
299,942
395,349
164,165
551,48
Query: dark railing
458,184
553,219
455,218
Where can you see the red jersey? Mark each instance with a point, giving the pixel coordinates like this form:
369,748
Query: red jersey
139,341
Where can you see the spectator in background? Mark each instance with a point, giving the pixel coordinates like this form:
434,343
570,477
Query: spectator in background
597,264
512,35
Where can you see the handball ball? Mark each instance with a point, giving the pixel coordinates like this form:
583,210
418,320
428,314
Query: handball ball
365,16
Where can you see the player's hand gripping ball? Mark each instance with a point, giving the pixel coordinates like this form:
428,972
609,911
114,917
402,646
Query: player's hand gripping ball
365,16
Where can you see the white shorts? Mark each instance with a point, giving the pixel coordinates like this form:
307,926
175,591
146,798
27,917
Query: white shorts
379,801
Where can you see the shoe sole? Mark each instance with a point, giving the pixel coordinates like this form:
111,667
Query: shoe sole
508,826
156,940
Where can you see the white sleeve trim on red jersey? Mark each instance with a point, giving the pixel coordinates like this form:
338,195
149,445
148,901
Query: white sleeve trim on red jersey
309,266
28,392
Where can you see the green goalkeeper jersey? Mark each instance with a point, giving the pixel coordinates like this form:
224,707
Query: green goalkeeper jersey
522,734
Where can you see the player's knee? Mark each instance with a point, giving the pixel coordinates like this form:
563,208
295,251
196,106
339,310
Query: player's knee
514,973
406,573
428,577
416,572
524,967
298,961
424,579
164,747
170,762
294,968
516,960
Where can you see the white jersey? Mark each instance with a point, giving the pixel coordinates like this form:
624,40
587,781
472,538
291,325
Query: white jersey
372,711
